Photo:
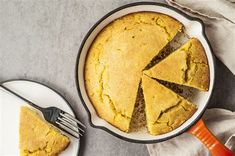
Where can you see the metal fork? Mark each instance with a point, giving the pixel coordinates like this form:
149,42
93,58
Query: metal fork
56,117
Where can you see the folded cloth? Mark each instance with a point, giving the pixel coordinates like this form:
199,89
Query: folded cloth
219,18
221,123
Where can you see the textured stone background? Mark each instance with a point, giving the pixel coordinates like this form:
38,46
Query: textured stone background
39,40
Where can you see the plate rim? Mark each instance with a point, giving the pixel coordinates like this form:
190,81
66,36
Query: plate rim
77,65
52,89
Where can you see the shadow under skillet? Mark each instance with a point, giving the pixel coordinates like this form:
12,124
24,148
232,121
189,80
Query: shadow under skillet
223,95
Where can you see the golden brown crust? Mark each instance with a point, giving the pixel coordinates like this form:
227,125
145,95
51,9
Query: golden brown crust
165,110
187,66
116,59
39,138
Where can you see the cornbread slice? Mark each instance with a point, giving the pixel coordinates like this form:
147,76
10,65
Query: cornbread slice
186,66
39,138
116,59
165,110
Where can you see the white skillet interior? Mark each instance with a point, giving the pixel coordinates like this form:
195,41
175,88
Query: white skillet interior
193,29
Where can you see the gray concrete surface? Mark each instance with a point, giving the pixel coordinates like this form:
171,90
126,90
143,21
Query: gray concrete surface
39,40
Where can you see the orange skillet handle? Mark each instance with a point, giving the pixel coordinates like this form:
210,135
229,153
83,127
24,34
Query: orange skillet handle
209,140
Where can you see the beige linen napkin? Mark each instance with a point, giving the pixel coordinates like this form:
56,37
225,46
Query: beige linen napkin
221,123
219,18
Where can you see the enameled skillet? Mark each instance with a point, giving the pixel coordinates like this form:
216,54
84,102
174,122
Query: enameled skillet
194,28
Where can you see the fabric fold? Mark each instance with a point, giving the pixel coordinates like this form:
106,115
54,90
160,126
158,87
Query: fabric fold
218,16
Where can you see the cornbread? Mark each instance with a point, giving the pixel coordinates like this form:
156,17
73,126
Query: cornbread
116,59
39,138
187,66
165,110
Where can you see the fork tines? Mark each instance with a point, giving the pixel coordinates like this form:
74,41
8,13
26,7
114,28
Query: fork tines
70,124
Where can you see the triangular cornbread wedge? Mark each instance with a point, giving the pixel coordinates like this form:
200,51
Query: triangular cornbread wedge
186,66
165,110
116,59
37,137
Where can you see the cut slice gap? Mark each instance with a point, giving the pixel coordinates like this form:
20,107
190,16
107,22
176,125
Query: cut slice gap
138,120
186,92
176,88
174,44
186,66
162,102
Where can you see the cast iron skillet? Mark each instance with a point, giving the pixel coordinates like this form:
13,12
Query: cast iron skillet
194,28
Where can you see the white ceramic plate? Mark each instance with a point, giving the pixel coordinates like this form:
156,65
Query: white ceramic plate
194,28
9,113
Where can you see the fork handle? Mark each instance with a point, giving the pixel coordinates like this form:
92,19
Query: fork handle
22,98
